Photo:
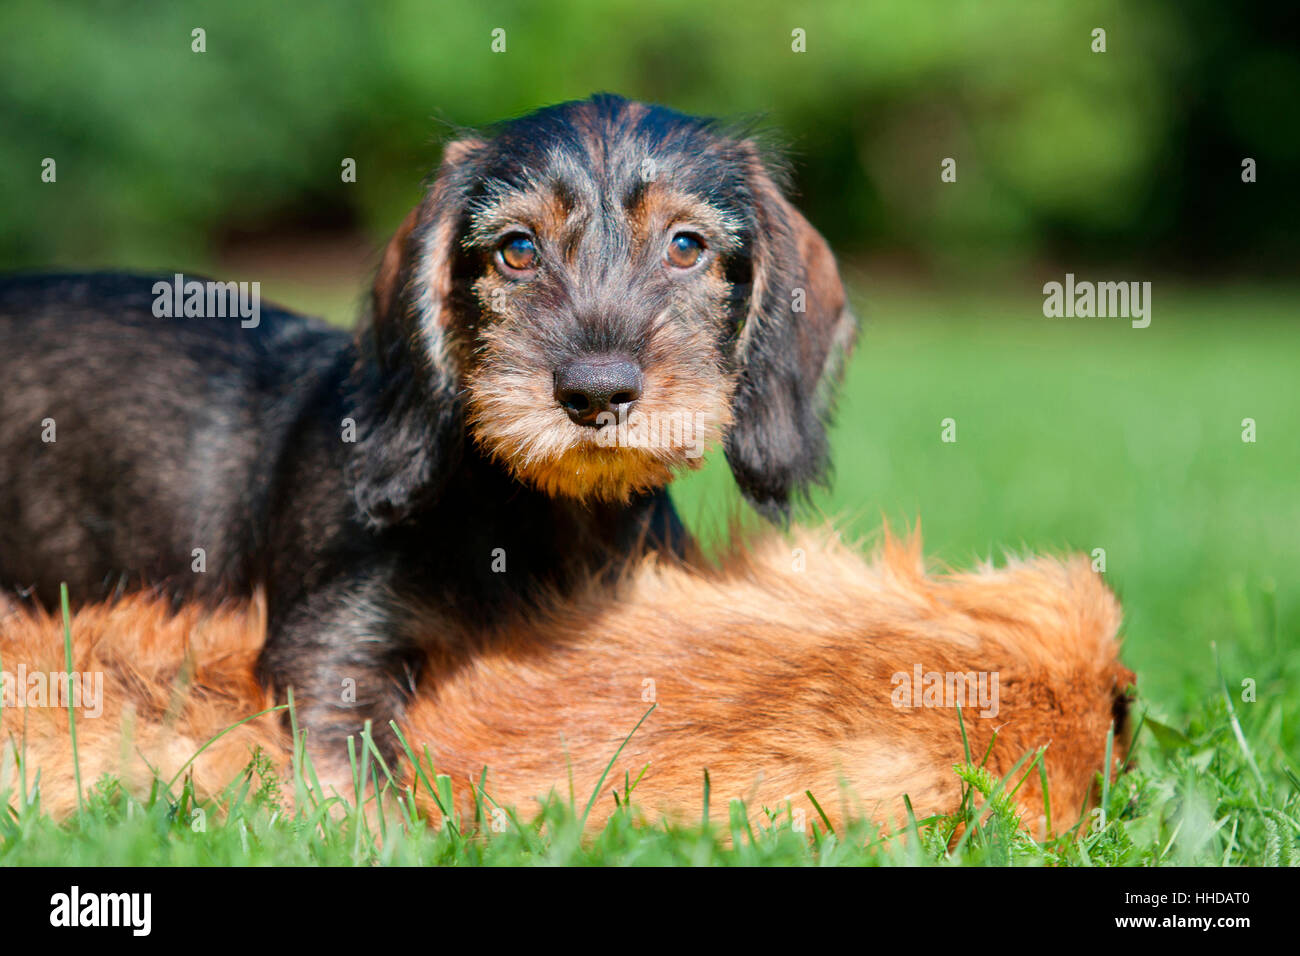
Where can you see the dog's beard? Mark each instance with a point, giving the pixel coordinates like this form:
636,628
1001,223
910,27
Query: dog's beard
512,413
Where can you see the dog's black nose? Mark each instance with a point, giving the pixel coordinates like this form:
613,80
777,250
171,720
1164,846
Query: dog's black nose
600,383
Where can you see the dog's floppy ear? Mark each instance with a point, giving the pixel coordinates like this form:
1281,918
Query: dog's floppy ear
796,330
405,388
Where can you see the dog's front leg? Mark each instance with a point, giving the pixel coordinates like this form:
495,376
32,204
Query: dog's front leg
342,652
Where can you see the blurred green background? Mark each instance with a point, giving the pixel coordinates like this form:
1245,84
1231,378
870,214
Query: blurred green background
1122,165
168,154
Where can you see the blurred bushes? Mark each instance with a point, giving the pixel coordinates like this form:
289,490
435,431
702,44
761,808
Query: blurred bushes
1134,152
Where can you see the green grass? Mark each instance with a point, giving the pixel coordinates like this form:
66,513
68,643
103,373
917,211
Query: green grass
1071,434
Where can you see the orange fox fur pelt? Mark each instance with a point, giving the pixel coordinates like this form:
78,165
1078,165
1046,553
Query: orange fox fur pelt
783,670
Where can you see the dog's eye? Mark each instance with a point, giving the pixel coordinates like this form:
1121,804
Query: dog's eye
518,253
684,250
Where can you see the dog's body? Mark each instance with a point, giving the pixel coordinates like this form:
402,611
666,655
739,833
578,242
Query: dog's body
589,264
180,436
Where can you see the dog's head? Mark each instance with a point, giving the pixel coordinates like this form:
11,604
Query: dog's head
594,293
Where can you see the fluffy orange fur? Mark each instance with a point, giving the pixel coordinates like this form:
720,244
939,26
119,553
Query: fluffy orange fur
172,682
774,670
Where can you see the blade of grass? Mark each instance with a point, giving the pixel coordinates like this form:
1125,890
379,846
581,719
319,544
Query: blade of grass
1236,725
1047,797
1105,773
379,808
72,717
706,796
213,740
965,746
299,784
582,824
1133,742
826,822
419,769
913,829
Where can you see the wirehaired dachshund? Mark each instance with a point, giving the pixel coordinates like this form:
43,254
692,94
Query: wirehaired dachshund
584,300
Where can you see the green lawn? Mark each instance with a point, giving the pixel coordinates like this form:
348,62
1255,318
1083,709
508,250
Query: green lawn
1071,434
